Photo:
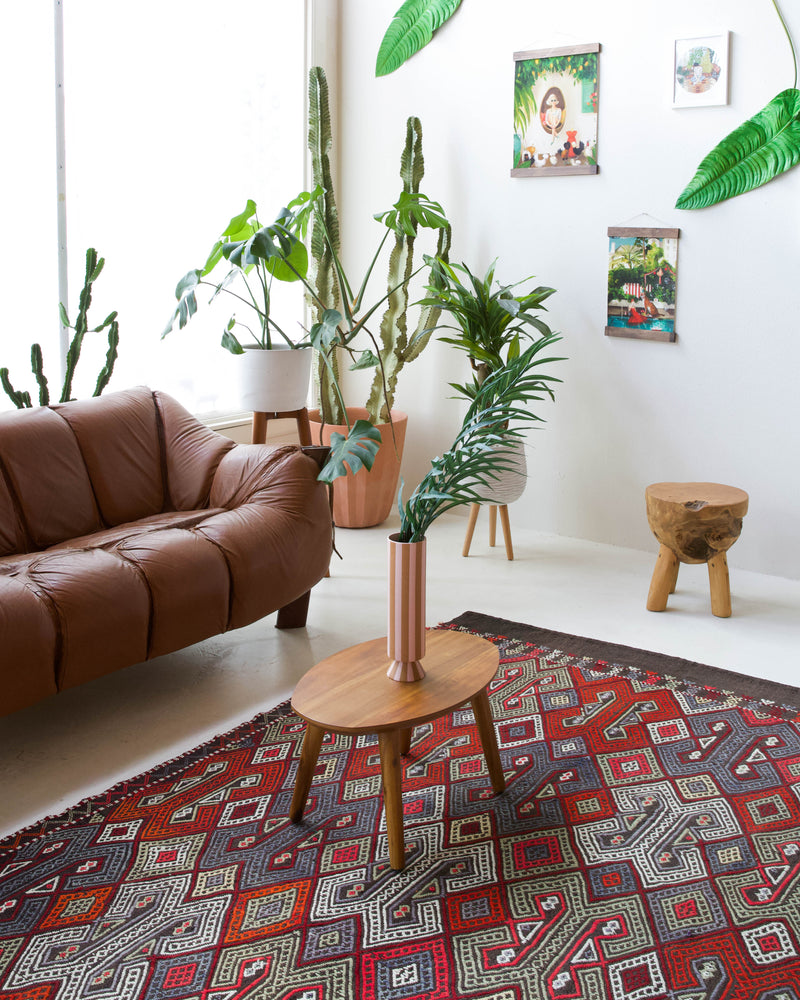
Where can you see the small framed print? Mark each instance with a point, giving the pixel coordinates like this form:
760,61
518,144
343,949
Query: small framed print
700,71
555,111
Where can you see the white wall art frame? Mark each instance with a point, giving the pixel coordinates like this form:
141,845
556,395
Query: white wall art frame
700,70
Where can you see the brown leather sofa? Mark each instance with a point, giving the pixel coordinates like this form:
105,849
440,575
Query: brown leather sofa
129,529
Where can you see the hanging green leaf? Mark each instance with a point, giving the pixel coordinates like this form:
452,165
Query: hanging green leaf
411,29
358,449
757,151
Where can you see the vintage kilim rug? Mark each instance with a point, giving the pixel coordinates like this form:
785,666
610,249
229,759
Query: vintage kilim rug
647,848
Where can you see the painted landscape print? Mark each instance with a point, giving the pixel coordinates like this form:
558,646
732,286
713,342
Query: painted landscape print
555,111
642,282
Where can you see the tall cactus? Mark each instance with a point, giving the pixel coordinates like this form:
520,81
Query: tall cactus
397,349
22,399
324,242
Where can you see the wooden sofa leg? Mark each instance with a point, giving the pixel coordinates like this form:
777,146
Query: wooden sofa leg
294,615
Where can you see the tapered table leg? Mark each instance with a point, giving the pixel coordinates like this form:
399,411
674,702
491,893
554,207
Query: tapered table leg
485,724
504,520
392,796
312,742
405,741
492,525
474,509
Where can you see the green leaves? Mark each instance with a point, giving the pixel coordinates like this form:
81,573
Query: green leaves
411,29
479,452
757,151
358,449
413,209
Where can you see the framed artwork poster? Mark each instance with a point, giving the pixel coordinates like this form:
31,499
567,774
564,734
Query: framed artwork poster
555,111
700,71
642,283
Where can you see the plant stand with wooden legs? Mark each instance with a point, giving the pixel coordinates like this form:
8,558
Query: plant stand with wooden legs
504,521
260,420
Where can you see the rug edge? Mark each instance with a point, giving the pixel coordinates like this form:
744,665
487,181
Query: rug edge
662,664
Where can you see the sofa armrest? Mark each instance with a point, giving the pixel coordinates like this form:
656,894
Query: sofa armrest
261,473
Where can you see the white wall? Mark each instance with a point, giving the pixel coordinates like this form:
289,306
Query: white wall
722,403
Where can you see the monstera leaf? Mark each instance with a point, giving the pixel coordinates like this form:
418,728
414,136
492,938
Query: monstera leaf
763,147
411,29
358,449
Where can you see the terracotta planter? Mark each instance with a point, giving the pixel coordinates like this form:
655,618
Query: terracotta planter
274,381
405,642
368,497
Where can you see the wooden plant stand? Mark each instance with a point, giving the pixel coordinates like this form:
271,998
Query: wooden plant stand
694,523
260,420
350,693
474,509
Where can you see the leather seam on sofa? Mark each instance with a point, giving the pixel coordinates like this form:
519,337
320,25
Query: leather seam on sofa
76,439
18,509
123,557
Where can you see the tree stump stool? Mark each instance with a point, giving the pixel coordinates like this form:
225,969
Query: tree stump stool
695,523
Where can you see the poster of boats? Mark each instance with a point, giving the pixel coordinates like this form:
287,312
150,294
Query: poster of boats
642,283
555,111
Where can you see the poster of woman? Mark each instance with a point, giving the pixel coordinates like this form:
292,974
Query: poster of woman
642,283
555,111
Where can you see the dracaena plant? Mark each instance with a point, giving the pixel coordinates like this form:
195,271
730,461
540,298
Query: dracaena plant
760,149
490,320
480,453
255,256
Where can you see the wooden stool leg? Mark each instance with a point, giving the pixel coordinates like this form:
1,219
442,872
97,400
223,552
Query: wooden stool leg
506,531
673,579
483,720
720,586
312,741
392,796
664,576
259,431
492,525
474,508
303,426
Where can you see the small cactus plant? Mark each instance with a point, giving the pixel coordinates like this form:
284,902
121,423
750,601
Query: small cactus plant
22,398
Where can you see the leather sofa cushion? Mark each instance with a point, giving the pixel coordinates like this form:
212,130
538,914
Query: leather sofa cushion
53,490
12,536
118,436
102,606
193,452
29,645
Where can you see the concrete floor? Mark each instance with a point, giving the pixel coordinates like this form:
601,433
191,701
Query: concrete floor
84,740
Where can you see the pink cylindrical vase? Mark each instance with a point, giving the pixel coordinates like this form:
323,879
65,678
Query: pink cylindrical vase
406,635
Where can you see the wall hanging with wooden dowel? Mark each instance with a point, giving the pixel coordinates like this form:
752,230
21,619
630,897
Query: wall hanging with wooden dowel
642,282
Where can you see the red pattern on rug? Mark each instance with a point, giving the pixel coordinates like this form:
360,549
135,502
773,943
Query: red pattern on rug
647,847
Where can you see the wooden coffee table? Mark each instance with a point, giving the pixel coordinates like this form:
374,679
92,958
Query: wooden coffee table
349,692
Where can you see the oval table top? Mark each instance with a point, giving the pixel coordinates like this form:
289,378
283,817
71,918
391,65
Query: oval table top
349,691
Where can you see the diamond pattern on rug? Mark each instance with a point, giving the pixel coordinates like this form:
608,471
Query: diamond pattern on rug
647,847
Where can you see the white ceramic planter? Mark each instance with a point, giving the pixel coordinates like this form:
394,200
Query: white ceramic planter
274,381
510,484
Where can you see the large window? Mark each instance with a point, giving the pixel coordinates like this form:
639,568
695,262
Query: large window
176,112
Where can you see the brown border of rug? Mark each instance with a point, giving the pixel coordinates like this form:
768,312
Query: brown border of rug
658,663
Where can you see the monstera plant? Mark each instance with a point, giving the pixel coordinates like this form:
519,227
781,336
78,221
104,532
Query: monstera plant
766,145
